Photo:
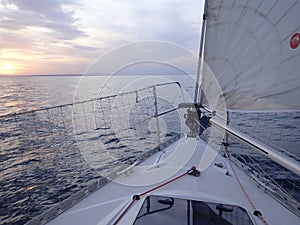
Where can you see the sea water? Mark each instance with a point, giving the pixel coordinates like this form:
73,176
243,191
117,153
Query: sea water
32,181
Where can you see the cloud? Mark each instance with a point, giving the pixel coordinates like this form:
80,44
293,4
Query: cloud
55,15
85,48
76,32
129,20
9,40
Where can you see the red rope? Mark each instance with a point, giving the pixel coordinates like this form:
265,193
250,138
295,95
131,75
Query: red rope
242,188
137,197
164,184
124,212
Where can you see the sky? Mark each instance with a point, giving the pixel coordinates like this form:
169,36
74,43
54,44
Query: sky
66,36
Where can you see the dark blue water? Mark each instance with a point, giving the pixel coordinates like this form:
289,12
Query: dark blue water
48,155
279,130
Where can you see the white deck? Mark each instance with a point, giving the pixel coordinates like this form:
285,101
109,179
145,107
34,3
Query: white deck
212,185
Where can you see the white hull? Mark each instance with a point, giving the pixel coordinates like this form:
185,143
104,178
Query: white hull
213,185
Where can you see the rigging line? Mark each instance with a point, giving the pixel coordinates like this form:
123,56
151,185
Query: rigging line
88,100
193,171
276,156
244,190
267,142
268,175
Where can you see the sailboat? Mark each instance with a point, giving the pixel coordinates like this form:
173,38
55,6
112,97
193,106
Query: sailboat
248,62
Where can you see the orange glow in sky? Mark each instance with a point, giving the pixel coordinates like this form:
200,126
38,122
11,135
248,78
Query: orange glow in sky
8,69
65,37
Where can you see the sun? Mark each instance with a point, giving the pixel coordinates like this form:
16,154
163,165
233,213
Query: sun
7,69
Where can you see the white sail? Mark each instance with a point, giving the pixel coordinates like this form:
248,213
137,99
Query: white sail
253,49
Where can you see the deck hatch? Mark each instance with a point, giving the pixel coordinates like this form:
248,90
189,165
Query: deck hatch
167,210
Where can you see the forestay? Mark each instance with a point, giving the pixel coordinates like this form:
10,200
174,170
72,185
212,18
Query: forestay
253,50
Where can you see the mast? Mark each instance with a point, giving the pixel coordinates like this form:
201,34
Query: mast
198,92
243,81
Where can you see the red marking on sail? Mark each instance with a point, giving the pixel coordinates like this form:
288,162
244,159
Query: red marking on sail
295,40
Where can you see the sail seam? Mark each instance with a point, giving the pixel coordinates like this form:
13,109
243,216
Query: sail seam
291,7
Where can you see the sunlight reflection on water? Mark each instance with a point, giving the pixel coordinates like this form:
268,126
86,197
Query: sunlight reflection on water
56,174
